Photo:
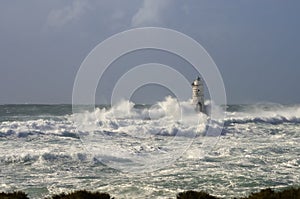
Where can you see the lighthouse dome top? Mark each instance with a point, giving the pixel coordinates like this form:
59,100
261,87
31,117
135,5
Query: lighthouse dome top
196,82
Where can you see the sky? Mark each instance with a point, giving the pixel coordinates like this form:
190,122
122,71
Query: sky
255,45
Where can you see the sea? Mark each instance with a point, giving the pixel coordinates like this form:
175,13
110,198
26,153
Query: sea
149,151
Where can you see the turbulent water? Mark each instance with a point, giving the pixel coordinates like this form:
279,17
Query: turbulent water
138,151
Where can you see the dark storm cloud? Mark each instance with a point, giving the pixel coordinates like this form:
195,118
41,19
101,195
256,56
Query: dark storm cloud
254,43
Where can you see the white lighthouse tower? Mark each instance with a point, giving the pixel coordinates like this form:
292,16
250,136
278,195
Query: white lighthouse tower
198,95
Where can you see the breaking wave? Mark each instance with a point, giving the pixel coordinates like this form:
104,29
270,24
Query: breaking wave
46,157
267,114
166,118
42,149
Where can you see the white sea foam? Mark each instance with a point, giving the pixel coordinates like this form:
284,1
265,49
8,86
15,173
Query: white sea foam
260,148
164,118
273,114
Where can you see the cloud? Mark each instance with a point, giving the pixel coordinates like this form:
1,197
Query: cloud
60,17
150,13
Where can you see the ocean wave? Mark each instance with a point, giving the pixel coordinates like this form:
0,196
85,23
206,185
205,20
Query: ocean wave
46,157
166,118
261,152
267,120
40,127
265,114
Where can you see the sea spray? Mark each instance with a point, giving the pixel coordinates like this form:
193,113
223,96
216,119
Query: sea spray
42,151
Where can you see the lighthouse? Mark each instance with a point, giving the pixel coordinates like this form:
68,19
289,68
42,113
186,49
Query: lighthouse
198,94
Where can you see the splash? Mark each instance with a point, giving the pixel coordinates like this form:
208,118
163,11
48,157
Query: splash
128,137
163,118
